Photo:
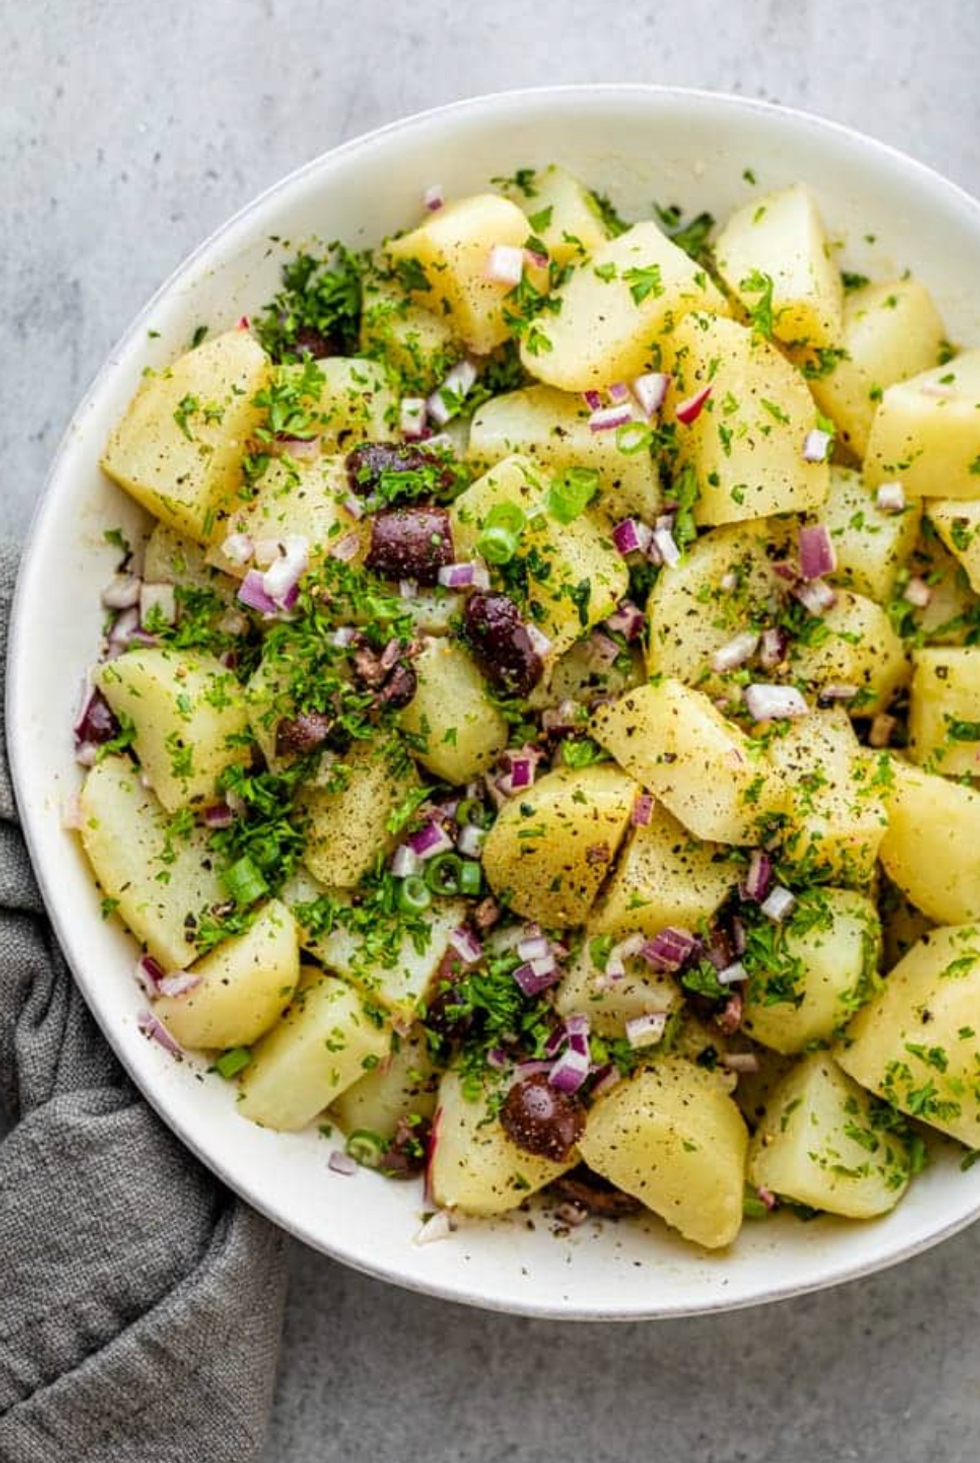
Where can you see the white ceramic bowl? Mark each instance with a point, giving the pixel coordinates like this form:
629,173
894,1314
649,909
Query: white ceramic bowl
638,144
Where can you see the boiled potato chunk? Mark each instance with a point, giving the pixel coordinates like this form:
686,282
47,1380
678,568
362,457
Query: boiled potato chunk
926,432
820,1145
296,499
324,1043
457,732
403,1085
474,1167
125,835
902,925
949,615
552,845
871,546
245,985
552,427
746,445
723,584
673,741
663,877
613,308
189,714
944,716
416,343
857,647
931,847
780,236
918,1042
673,1138
891,331
826,959
451,248
172,558
958,525
178,450
609,1004
837,803
583,578
350,811
562,213
355,402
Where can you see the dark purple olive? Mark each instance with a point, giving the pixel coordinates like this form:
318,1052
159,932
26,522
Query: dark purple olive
297,735
96,723
377,465
541,1119
501,643
410,543
729,1018
405,1154
446,1011
586,1190
368,668
400,687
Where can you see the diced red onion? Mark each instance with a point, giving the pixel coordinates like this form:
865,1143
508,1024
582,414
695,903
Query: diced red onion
666,546
219,815
646,1030
243,323
498,1059
284,573
433,197
577,1024
540,644
632,536
592,399
650,390
816,596
505,264
739,940
890,498
774,703
458,576
252,592
535,976
608,417
740,1062
178,983
563,717
535,258
412,417
471,840
758,878
570,1071
732,974
627,620
531,1069
265,551
353,506
767,1197
778,904
816,445
122,592
466,945
837,691
238,548
158,598
429,840
156,1031
642,814
149,973
404,862
817,554
669,949
343,637
618,393
439,1226
735,652
772,648
458,383
299,447
86,754
346,548
609,1079
688,410
881,731
917,592
603,650
534,947
342,1163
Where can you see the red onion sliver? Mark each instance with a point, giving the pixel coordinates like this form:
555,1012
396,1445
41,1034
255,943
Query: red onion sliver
608,417
433,198
890,498
817,554
732,974
735,652
632,536
917,592
816,445
149,973
505,264
178,983
650,391
346,548
470,840
458,576
816,596
438,1226
691,408
429,840
458,384
773,648
156,1031
666,546
618,393
342,1163
758,878
252,593
627,619
570,1071
778,904
642,814
669,949
122,592
592,399
774,703
646,1030
405,862
535,976
466,945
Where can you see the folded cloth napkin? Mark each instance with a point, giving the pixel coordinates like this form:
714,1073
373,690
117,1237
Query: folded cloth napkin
140,1302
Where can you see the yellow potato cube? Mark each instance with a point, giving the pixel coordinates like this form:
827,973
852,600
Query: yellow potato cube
944,715
926,432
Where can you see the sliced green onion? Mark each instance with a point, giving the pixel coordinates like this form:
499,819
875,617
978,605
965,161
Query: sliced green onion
413,894
572,492
442,873
470,877
245,881
473,811
230,1063
366,1148
497,545
632,437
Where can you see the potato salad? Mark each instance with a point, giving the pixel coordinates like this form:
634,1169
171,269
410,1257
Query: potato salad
536,740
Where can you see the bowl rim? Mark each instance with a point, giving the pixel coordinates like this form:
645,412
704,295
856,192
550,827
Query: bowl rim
18,673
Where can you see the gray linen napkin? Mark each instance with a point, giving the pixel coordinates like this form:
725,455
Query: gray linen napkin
140,1302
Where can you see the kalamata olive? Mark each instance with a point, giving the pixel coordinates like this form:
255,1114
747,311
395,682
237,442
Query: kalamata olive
96,723
501,643
405,1154
446,1012
400,687
486,914
398,469
367,667
410,543
729,1018
586,1190
541,1119
297,735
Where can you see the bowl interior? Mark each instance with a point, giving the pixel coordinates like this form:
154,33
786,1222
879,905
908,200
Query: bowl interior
638,145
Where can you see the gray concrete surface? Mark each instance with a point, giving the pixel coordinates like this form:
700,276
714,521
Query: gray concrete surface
128,129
